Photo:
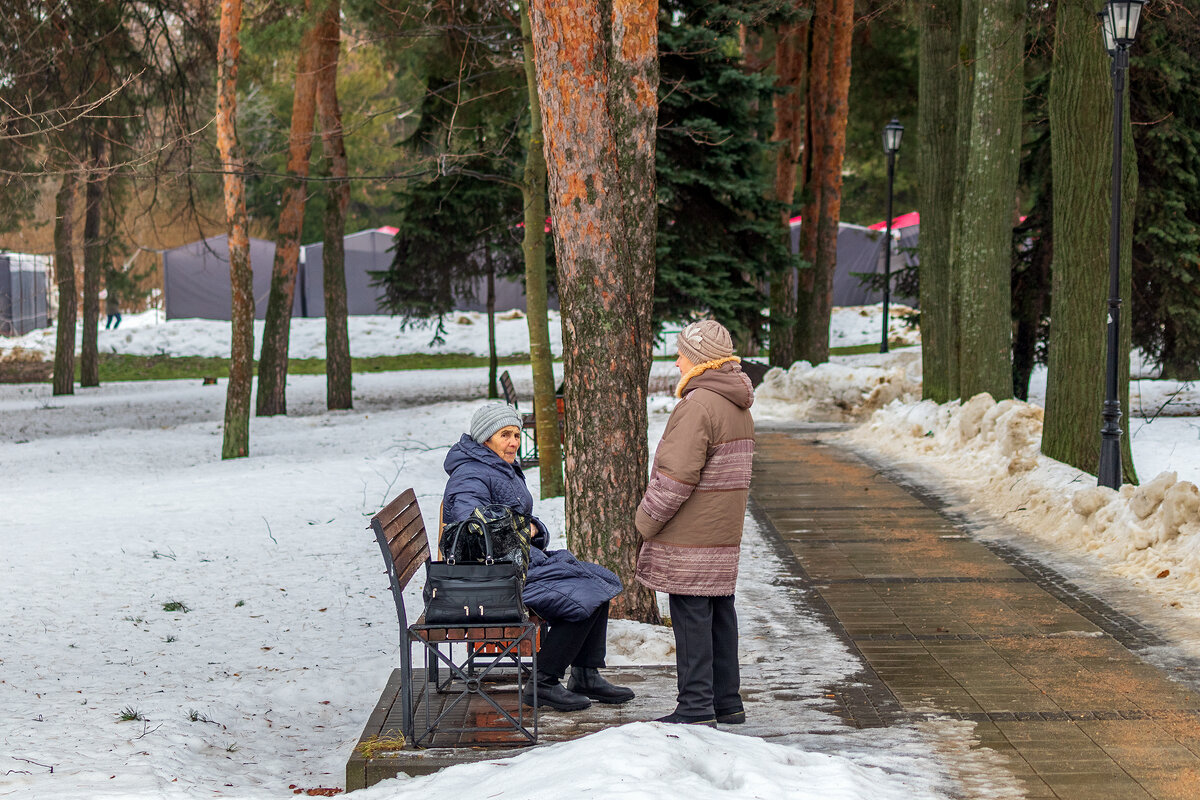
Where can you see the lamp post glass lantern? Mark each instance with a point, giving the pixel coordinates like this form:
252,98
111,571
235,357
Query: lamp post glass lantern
893,132
1118,25
1122,17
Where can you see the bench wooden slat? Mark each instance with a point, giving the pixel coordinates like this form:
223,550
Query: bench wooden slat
414,559
393,509
401,524
408,528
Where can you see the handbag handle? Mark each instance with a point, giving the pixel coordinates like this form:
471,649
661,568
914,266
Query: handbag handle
487,540
450,557
487,543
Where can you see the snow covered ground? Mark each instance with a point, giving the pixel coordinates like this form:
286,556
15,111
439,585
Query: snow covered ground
238,607
238,610
148,334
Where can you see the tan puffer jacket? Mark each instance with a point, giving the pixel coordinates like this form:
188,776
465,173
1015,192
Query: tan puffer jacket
701,476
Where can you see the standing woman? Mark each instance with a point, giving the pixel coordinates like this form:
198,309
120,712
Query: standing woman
570,595
690,520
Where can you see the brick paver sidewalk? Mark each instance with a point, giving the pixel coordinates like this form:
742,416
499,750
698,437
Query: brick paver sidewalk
953,626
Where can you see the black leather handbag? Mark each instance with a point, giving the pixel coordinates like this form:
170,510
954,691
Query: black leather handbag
473,592
497,525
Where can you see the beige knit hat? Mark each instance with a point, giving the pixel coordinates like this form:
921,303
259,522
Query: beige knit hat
703,341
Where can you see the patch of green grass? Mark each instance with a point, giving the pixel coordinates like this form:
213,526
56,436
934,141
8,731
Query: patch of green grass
239,604
122,367
176,605
856,349
130,714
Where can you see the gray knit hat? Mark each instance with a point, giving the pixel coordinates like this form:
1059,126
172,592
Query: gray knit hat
703,341
491,418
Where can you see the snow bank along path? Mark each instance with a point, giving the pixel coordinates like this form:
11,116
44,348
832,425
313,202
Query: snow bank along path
1148,534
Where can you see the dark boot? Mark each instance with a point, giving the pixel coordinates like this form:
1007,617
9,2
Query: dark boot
685,719
588,681
732,717
553,694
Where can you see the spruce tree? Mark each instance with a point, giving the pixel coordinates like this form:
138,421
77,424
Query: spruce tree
458,216
718,232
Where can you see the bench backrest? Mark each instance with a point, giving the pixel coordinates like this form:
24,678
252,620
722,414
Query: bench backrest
506,386
400,532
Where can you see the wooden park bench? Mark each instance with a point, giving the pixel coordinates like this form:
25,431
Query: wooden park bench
529,446
487,669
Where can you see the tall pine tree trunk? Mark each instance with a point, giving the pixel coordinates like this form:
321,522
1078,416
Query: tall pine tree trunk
236,442
597,70
835,116
277,326
338,381
64,274
965,74
989,198
93,249
493,359
820,54
829,135
938,24
791,56
537,313
1081,109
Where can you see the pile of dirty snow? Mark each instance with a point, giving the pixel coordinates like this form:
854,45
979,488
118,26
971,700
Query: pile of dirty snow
840,390
652,759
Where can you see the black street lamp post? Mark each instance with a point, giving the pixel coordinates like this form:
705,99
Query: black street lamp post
1119,22
892,133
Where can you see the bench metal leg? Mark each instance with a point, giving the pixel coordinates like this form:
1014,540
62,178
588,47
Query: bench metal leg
468,675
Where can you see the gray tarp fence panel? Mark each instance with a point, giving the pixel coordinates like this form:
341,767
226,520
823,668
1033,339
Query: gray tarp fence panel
370,251
196,279
510,293
366,251
860,250
23,293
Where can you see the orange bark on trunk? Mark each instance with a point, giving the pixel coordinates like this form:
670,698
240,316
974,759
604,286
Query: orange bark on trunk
830,91
273,363
597,75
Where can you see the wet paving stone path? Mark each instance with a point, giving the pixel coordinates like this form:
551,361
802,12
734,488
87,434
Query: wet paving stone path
951,626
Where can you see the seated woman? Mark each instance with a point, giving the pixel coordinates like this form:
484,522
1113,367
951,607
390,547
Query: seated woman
571,595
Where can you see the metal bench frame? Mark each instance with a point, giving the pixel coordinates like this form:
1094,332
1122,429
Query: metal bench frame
489,651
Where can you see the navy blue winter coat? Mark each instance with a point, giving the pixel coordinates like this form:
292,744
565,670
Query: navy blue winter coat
559,586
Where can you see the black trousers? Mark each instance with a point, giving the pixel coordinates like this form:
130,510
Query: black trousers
706,654
574,644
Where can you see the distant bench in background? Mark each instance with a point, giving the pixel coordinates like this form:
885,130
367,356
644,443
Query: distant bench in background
529,445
